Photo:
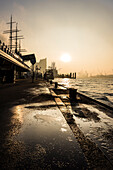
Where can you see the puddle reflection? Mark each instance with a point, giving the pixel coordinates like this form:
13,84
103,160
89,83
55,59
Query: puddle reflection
99,131
45,135
17,113
38,120
63,130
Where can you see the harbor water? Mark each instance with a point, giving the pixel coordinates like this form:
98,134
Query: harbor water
100,89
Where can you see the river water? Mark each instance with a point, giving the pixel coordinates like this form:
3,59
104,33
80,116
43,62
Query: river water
100,89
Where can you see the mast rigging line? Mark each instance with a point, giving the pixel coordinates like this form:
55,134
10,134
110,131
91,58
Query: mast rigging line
11,37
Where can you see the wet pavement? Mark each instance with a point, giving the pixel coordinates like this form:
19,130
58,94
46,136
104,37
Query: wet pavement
34,134
99,128
94,125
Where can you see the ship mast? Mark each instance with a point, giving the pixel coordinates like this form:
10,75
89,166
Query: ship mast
11,31
16,37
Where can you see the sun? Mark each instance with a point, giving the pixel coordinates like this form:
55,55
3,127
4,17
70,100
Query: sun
65,57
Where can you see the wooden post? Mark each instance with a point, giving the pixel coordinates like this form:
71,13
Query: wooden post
0,44
51,82
75,75
72,93
33,73
56,85
70,75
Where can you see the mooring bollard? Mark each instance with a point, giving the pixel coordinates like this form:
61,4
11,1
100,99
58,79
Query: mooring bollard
72,93
70,75
51,82
56,85
75,75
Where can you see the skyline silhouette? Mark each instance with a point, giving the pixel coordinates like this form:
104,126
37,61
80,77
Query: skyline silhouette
83,29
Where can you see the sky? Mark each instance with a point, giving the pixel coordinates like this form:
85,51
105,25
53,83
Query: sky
83,29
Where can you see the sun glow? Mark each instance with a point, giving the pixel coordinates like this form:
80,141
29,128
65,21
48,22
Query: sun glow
65,58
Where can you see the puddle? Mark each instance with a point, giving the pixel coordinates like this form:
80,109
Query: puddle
101,132
46,137
38,91
43,107
63,130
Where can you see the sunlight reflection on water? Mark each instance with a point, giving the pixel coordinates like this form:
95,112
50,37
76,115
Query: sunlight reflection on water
99,89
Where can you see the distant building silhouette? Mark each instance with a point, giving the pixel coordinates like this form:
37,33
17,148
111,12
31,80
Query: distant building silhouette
41,66
55,71
82,74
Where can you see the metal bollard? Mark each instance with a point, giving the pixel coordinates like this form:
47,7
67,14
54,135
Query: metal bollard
75,75
56,85
0,43
72,93
51,82
70,75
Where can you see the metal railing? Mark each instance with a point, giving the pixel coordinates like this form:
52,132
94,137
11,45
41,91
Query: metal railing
15,56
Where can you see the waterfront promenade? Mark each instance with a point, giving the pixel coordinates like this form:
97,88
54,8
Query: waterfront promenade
34,133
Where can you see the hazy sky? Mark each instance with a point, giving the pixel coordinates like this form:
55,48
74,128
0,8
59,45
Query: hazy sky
81,28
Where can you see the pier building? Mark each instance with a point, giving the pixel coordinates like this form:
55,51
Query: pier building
12,64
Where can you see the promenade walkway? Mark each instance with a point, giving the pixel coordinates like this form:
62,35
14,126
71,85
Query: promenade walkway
33,131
